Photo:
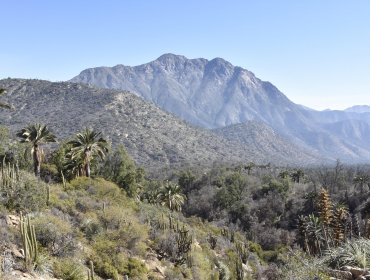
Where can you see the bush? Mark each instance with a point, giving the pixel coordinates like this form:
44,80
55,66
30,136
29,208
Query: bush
68,269
56,235
29,195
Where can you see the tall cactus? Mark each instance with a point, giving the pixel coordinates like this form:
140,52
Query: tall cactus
29,242
90,272
239,272
183,242
9,177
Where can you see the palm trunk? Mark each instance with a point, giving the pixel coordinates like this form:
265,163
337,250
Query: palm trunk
87,163
87,169
36,161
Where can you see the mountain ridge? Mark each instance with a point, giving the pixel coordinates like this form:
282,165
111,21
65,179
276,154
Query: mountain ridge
153,137
214,94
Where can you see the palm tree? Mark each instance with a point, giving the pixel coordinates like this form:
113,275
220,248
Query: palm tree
36,134
87,145
170,195
361,180
3,105
297,175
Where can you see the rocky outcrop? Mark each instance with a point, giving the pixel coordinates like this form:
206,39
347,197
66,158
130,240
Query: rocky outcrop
349,273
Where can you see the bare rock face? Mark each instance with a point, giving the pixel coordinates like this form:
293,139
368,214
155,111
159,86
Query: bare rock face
12,220
340,274
349,273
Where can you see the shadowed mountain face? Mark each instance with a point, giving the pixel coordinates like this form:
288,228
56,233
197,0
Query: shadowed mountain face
214,94
153,137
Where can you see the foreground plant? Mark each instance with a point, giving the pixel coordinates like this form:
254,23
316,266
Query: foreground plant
29,243
354,252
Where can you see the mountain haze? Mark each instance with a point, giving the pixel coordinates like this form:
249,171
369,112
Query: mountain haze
214,94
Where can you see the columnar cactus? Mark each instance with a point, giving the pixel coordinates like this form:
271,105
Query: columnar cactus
90,272
29,242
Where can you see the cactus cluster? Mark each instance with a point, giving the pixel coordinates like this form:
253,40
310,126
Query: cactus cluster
183,242
170,225
29,242
9,176
229,234
212,240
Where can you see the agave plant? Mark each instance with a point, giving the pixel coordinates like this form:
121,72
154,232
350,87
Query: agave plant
354,252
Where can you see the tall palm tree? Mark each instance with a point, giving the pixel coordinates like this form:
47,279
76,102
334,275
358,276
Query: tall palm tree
170,195
36,134
87,145
4,105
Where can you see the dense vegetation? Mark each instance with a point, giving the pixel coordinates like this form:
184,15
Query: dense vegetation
80,209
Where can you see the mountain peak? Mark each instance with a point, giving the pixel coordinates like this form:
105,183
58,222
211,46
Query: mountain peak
358,109
170,57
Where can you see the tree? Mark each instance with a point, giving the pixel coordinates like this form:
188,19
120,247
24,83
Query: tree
297,175
120,168
249,167
4,105
36,135
170,195
361,180
87,145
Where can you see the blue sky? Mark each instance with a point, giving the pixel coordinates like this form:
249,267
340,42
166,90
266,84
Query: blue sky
317,52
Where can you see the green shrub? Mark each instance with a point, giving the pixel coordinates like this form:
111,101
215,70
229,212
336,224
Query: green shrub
90,225
68,269
113,217
28,196
56,235
255,248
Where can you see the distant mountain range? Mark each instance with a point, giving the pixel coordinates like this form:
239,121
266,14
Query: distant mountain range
215,94
153,137
358,109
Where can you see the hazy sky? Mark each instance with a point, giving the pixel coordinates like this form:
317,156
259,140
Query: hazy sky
317,52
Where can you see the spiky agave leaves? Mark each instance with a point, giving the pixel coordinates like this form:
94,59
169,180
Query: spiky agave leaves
36,134
354,252
87,145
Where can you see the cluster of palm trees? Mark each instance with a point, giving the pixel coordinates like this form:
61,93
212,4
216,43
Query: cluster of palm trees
86,145
168,195
296,175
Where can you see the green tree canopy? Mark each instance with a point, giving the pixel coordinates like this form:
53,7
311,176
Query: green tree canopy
36,134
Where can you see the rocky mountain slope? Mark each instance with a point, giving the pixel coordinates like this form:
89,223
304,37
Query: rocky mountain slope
256,134
214,93
206,93
153,137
